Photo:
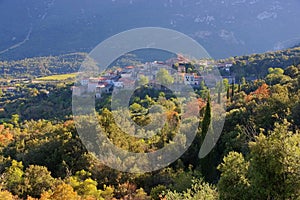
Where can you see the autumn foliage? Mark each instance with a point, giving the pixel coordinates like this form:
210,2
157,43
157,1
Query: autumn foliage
5,135
262,92
193,107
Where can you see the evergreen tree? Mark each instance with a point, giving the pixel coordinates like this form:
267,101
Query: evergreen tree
207,163
206,120
232,91
227,93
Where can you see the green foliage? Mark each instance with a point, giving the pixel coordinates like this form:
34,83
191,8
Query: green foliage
182,180
43,66
143,80
232,91
59,77
15,119
267,168
136,108
13,178
207,163
141,194
273,159
32,182
257,65
277,71
243,81
276,78
291,71
37,179
84,185
199,191
157,191
164,78
55,146
34,104
276,156
233,183
226,83
206,120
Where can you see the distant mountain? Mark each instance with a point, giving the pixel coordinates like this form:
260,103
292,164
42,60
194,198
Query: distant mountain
224,27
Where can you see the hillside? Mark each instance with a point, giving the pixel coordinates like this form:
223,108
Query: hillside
32,28
41,66
253,66
42,154
257,65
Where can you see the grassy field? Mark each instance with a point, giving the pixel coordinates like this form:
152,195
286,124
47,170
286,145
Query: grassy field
59,77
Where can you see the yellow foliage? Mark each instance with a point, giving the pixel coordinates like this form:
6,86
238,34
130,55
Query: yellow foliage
61,192
6,195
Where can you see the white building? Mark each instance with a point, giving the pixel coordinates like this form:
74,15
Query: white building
126,75
118,84
84,82
99,91
128,83
92,87
189,79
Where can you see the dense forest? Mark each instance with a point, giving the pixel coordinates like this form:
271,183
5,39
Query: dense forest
256,157
41,66
256,66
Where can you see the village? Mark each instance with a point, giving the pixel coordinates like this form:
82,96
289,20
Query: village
180,69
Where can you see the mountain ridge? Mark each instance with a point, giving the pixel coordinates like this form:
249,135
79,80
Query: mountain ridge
224,28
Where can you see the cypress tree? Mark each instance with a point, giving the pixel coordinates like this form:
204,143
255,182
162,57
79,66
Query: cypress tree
232,91
219,92
206,119
208,163
191,155
228,93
